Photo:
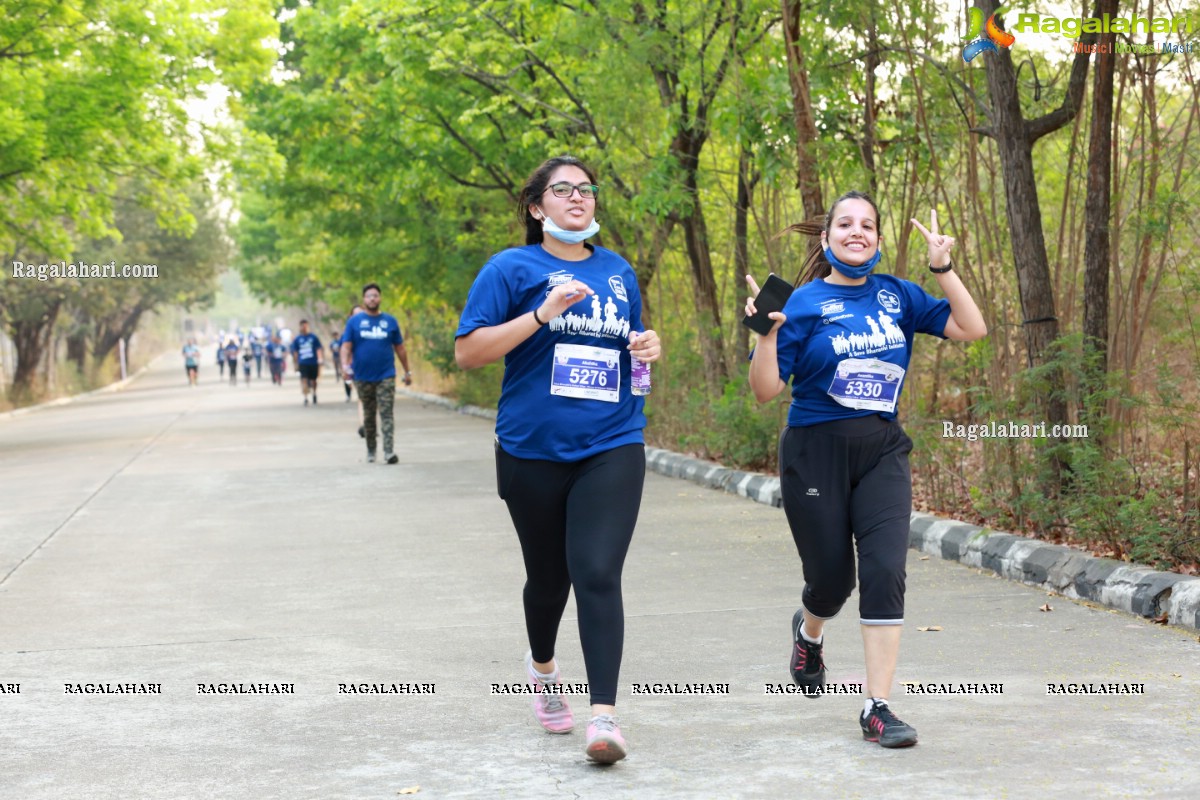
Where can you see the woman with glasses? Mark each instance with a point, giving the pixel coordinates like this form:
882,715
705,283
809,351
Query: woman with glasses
570,457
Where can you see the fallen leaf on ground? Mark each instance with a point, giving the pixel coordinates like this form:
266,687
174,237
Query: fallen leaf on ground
410,790
1160,620
923,558
1176,675
1045,607
930,628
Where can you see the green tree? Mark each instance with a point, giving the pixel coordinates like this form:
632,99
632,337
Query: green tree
107,312
93,92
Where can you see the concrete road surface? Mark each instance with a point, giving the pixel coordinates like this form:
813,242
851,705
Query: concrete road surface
174,542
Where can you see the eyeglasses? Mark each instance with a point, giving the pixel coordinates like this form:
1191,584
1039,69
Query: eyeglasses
587,191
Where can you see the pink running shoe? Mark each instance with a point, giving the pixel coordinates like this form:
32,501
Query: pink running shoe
549,707
605,745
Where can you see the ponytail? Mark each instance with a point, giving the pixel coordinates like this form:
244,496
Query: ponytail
815,264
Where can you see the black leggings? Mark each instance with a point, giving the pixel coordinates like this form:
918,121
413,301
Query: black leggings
847,483
575,521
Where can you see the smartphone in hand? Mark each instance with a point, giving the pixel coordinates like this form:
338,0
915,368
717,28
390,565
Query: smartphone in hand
771,297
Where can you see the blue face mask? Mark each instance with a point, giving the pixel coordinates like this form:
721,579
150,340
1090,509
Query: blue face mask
850,270
568,237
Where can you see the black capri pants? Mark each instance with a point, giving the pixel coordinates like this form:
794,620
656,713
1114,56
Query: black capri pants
847,484
575,521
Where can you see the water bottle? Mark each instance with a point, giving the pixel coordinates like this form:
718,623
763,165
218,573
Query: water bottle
639,376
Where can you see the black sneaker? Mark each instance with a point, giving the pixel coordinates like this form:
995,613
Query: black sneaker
808,665
362,433
393,459
882,726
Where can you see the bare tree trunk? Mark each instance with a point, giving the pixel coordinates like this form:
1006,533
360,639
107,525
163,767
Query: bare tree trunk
1015,137
741,227
1098,209
807,175
113,331
1137,318
704,284
867,143
33,339
77,348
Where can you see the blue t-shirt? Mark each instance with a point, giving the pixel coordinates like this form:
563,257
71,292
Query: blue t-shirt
191,355
256,348
306,346
558,401
851,327
231,351
374,339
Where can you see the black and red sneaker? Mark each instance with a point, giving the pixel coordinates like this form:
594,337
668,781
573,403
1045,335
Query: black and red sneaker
882,726
808,665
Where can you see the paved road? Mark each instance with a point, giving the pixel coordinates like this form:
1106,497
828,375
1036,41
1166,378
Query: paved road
174,536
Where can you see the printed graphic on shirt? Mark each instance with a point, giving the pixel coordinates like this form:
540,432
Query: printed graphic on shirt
884,335
373,330
304,348
832,307
605,320
618,288
558,279
833,310
889,301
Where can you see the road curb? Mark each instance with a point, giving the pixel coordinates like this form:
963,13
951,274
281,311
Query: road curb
115,386
1115,584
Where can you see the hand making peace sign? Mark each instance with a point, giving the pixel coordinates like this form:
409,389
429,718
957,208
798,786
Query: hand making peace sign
939,245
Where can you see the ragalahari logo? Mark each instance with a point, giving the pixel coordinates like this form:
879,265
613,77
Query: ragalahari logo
981,37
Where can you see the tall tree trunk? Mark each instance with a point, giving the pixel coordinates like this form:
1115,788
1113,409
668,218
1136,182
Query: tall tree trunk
77,348
1015,137
704,284
1139,311
867,143
741,227
807,175
32,338
1097,213
114,330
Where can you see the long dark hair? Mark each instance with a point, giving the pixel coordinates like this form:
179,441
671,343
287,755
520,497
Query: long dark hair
815,264
535,185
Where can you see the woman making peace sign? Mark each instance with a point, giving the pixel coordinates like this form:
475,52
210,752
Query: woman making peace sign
844,338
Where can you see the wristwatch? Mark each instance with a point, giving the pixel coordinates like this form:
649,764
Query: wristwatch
940,270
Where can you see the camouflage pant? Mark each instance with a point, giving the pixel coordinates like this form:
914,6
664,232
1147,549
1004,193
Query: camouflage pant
379,395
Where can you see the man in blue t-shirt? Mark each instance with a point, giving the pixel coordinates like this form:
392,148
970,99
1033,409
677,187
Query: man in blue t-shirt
368,343
308,355
276,354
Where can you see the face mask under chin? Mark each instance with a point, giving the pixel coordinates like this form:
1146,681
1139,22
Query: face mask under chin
565,236
853,270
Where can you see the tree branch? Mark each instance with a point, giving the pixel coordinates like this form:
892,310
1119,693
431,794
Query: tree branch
1048,123
491,170
984,108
